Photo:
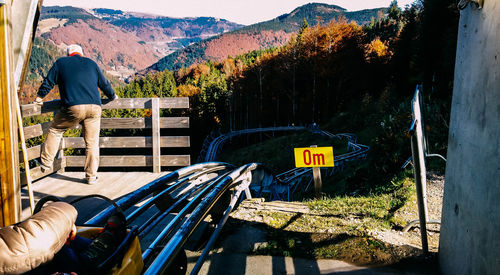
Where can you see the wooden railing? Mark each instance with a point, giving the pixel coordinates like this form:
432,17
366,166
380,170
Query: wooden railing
155,141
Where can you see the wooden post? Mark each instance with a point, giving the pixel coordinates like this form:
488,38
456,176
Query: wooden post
317,179
25,154
10,195
155,106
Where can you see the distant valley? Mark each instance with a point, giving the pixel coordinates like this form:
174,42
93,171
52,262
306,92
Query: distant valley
272,33
124,42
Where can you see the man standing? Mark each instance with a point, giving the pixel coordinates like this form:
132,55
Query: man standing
78,79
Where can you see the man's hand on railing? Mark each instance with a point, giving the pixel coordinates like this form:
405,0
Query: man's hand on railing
38,101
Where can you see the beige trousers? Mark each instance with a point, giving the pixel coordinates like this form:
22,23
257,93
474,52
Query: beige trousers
90,114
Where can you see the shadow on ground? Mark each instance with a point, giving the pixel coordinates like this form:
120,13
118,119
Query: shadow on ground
252,248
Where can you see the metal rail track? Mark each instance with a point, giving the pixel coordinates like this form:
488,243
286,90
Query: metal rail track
215,146
286,183
188,195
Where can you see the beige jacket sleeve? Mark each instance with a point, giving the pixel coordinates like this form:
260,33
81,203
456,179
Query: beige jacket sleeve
35,241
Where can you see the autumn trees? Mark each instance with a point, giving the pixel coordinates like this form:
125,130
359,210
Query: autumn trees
339,67
308,80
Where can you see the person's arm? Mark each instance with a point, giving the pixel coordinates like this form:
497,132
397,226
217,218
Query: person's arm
48,83
105,86
35,241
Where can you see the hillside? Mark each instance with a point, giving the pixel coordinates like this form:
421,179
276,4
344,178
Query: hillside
272,33
313,13
124,42
341,76
114,49
166,34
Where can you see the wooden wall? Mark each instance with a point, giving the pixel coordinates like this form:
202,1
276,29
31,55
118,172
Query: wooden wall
10,191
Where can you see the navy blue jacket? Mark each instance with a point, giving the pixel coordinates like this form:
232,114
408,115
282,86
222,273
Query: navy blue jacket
78,79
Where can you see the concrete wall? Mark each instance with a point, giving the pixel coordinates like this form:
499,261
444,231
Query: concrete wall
470,230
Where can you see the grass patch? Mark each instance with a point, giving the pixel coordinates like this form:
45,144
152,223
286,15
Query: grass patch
277,153
338,227
376,210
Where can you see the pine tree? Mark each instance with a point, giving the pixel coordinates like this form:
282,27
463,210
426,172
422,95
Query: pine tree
303,27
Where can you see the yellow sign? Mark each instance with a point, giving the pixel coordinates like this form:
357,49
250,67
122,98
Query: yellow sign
314,157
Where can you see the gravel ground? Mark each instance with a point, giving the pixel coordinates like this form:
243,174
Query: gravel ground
398,245
435,187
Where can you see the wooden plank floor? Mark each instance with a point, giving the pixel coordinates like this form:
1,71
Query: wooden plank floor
71,185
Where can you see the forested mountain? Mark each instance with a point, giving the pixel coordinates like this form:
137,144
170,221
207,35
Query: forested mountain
314,13
273,33
120,42
340,75
167,34
124,42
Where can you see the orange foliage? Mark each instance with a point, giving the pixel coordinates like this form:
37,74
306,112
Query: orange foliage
329,38
376,49
105,43
148,113
196,70
229,67
188,90
224,46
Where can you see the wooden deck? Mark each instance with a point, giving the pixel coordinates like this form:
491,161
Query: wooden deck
71,185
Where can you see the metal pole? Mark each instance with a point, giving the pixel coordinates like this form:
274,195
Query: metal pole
418,165
199,263
166,256
25,154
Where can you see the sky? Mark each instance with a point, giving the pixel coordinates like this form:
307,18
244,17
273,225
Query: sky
245,12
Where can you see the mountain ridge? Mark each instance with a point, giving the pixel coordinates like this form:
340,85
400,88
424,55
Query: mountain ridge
272,33
125,42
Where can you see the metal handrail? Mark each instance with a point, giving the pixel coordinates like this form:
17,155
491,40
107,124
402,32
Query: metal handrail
132,198
203,203
173,224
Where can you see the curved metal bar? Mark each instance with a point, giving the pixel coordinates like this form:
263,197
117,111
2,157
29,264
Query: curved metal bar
139,194
151,223
116,207
415,222
243,186
175,221
216,144
167,255
143,208
435,155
